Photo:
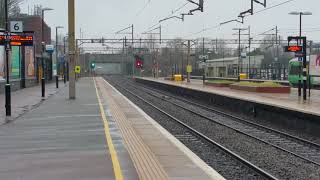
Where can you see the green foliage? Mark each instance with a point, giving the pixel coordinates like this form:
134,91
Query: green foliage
221,81
272,49
14,10
255,84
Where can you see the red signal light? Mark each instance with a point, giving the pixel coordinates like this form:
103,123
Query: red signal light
139,63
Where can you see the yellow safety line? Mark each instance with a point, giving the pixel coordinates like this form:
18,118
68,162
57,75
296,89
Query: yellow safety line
113,153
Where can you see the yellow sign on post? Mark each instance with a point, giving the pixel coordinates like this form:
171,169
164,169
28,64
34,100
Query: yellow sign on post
78,69
189,69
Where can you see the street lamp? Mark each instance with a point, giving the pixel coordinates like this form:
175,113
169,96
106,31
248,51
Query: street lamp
57,69
300,14
43,49
300,34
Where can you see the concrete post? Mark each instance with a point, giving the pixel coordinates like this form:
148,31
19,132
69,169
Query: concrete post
72,53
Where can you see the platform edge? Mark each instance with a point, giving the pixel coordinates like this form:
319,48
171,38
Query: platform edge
191,155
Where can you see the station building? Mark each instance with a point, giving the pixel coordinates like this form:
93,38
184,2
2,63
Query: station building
227,67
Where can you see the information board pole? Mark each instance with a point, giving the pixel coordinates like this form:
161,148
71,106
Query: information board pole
7,47
304,68
204,61
300,52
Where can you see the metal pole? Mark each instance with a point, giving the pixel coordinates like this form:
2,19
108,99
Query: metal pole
43,81
133,60
64,62
204,61
57,69
299,81
188,61
309,77
249,52
171,64
238,71
123,46
77,58
277,44
160,29
305,69
71,24
8,48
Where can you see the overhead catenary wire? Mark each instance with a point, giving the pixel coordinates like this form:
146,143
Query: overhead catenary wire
265,9
263,33
274,6
172,13
143,8
178,9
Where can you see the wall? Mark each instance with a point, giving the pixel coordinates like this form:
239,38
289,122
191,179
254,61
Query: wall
16,85
257,111
34,23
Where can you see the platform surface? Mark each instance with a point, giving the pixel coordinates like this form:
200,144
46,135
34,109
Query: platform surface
100,135
61,139
286,101
26,99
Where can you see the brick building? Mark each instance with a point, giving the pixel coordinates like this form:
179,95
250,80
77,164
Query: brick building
34,23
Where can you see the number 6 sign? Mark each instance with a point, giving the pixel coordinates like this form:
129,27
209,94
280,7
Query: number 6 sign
16,26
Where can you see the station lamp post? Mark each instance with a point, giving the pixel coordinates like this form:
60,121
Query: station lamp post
43,50
57,69
300,14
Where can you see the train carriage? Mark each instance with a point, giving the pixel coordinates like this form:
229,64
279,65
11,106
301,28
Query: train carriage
314,71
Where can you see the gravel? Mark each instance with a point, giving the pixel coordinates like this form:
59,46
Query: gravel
221,162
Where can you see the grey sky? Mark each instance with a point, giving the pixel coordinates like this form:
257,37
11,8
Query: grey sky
100,18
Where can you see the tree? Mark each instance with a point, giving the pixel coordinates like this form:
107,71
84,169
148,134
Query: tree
14,10
273,51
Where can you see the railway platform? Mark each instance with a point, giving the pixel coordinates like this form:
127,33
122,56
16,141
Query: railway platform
291,102
24,100
100,135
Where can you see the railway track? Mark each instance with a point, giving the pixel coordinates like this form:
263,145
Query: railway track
189,133
294,145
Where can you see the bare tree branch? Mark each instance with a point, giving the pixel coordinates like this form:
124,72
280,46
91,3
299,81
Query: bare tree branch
14,9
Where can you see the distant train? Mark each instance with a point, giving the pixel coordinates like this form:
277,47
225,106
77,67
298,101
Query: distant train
314,62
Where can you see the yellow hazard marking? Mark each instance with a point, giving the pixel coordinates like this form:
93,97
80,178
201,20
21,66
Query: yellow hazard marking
113,153
77,69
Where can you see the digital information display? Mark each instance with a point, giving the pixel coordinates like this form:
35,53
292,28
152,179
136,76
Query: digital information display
17,40
293,48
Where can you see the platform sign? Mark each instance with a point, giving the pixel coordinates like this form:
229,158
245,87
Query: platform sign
203,57
189,69
17,40
16,26
243,55
49,48
299,55
78,69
